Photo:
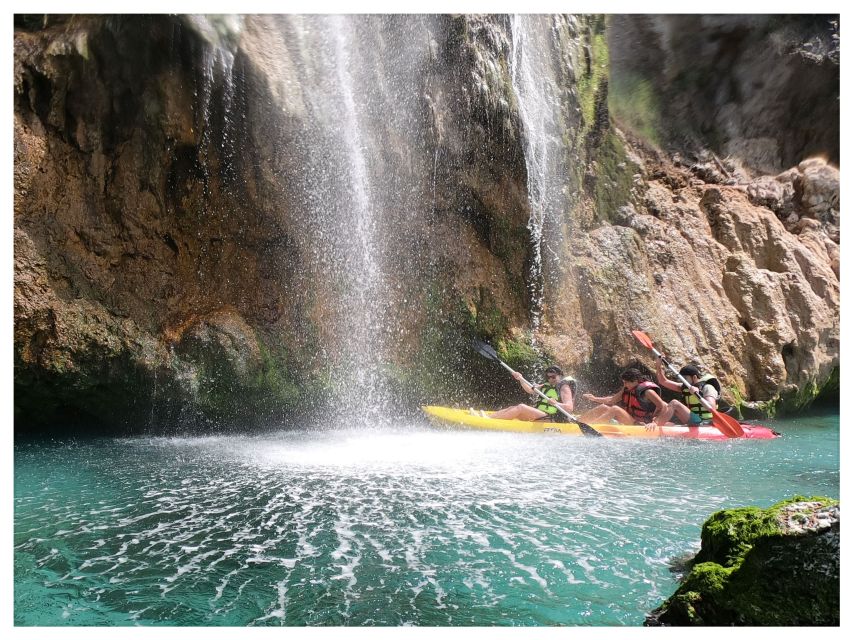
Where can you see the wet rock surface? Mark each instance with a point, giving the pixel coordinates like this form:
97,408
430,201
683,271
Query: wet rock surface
763,567
166,269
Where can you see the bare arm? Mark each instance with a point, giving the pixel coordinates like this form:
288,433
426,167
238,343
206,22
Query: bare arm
655,399
527,388
665,382
614,399
567,399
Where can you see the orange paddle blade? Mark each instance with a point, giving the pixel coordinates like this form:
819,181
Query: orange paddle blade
643,339
727,424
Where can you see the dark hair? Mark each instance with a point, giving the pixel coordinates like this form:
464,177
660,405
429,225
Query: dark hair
689,370
554,369
632,375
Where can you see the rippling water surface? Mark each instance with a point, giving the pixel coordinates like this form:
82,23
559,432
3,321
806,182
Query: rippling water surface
389,527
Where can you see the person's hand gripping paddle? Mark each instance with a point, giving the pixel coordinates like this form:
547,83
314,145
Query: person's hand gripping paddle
725,424
487,351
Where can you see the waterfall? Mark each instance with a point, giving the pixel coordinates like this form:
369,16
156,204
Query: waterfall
535,82
365,296
220,34
371,168
357,153
362,127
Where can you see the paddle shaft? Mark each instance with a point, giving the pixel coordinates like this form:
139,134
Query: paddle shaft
704,402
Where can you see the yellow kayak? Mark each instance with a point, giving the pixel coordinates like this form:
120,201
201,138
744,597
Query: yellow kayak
461,417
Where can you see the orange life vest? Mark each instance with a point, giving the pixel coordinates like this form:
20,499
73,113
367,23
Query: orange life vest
636,405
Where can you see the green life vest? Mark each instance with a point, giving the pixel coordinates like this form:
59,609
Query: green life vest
554,392
692,401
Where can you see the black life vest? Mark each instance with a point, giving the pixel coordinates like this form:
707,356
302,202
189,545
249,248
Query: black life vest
636,405
693,403
554,392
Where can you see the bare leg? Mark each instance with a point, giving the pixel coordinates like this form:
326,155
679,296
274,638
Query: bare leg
605,413
519,412
621,415
680,411
595,414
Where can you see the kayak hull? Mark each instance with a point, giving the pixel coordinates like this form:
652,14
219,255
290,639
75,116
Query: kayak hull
460,417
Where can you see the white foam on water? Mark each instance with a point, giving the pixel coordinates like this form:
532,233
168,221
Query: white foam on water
381,550
531,571
278,609
589,571
562,567
223,583
478,529
346,544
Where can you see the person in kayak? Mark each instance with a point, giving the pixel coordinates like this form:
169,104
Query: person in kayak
690,412
560,390
637,402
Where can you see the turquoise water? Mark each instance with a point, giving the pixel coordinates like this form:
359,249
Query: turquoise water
387,527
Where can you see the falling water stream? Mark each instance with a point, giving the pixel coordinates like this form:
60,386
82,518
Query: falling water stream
360,82
534,80
365,286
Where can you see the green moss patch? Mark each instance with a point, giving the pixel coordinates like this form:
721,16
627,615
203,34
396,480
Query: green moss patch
614,178
589,85
520,354
636,106
754,569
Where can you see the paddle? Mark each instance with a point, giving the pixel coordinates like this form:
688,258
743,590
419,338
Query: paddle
486,351
726,424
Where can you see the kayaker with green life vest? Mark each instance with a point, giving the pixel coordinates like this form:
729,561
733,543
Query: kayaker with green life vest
689,410
637,402
560,390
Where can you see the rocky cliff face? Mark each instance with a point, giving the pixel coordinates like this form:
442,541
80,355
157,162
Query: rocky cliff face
178,255
128,233
717,279
760,89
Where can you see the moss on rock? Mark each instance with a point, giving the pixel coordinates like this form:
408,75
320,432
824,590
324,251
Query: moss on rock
635,105
796,400
814,391
614,177
763,567
520,354
590,84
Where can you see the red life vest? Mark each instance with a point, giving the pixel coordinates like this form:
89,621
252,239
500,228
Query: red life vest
636,405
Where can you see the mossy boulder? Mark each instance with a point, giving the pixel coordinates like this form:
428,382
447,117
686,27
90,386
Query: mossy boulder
228,370
763,567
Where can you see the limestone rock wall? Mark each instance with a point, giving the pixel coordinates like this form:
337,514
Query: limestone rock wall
759,88
164,276
715,279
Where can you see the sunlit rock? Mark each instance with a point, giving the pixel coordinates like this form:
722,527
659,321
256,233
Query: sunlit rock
763,567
